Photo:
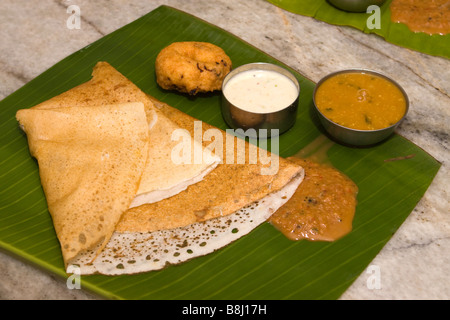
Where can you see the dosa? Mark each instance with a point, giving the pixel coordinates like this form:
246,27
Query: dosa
91,160
227,203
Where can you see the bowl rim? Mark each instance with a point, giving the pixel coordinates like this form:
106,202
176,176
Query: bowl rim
271,66
362,70
349,5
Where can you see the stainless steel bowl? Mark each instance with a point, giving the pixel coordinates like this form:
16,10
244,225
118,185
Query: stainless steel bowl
355,137
355,5
238,118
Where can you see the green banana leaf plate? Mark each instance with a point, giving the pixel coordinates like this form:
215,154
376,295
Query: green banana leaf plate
261,265
396,33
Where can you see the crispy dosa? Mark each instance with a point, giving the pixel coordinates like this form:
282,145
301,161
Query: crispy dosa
90,161
227,203
161,178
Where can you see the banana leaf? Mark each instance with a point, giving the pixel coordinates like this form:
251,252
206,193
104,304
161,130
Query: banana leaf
261,265
396,33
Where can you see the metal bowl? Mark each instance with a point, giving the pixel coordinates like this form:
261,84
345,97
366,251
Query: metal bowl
355,137
262,123
355,5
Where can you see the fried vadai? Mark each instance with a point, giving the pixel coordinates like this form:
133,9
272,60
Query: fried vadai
192,67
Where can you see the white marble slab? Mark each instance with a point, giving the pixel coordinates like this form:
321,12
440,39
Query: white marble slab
415,264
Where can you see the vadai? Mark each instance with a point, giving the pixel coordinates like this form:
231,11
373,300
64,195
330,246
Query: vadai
192,67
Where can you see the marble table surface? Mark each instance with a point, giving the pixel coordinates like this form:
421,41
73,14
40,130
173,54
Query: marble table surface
415,263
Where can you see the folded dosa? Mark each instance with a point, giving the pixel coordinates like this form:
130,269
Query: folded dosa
209,213
162,178
91,160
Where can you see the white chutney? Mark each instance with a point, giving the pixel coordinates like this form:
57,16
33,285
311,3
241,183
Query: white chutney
260,91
